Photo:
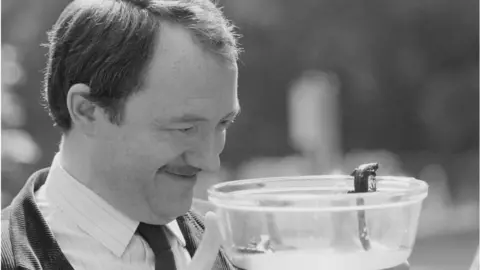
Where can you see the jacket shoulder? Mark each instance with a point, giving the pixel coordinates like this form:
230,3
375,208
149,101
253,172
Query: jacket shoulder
8,261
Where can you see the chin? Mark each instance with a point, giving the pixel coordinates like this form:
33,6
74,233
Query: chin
185,206
176,209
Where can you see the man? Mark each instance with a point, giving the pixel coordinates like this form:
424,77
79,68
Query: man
143,91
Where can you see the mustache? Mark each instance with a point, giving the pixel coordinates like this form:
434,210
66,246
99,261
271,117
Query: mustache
185,170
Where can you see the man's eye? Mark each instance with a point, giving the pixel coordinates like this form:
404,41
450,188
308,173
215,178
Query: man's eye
186,130
225,124
183,129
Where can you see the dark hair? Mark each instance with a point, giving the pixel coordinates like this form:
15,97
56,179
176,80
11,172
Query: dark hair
107,44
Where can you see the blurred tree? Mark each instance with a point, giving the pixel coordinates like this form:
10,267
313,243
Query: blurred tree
28,139
385,53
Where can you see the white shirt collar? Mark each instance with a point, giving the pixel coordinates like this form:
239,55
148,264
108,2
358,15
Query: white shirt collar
92,213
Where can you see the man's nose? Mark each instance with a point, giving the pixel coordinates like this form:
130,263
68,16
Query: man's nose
206,155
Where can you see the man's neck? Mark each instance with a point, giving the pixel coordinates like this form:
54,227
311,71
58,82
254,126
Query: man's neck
74,159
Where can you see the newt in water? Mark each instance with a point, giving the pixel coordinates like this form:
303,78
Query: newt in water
364,181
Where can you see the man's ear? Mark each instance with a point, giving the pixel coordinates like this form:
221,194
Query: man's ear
81,110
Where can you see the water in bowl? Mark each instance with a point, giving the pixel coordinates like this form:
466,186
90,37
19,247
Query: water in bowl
377,258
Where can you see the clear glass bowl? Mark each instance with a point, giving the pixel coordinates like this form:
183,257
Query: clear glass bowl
310,222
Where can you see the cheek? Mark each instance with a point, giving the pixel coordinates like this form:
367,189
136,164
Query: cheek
151,151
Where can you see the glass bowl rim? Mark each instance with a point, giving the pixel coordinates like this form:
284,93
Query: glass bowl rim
416,190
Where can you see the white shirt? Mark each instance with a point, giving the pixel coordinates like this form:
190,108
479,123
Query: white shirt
91,233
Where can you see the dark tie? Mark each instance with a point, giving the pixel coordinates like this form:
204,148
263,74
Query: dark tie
156,237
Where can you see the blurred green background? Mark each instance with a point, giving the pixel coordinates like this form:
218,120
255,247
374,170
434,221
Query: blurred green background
393,81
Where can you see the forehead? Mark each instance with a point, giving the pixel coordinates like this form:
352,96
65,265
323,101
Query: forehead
184,78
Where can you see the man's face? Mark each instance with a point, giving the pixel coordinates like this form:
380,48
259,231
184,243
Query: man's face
172,130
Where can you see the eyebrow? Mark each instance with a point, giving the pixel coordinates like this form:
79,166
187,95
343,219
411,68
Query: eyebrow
190,118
